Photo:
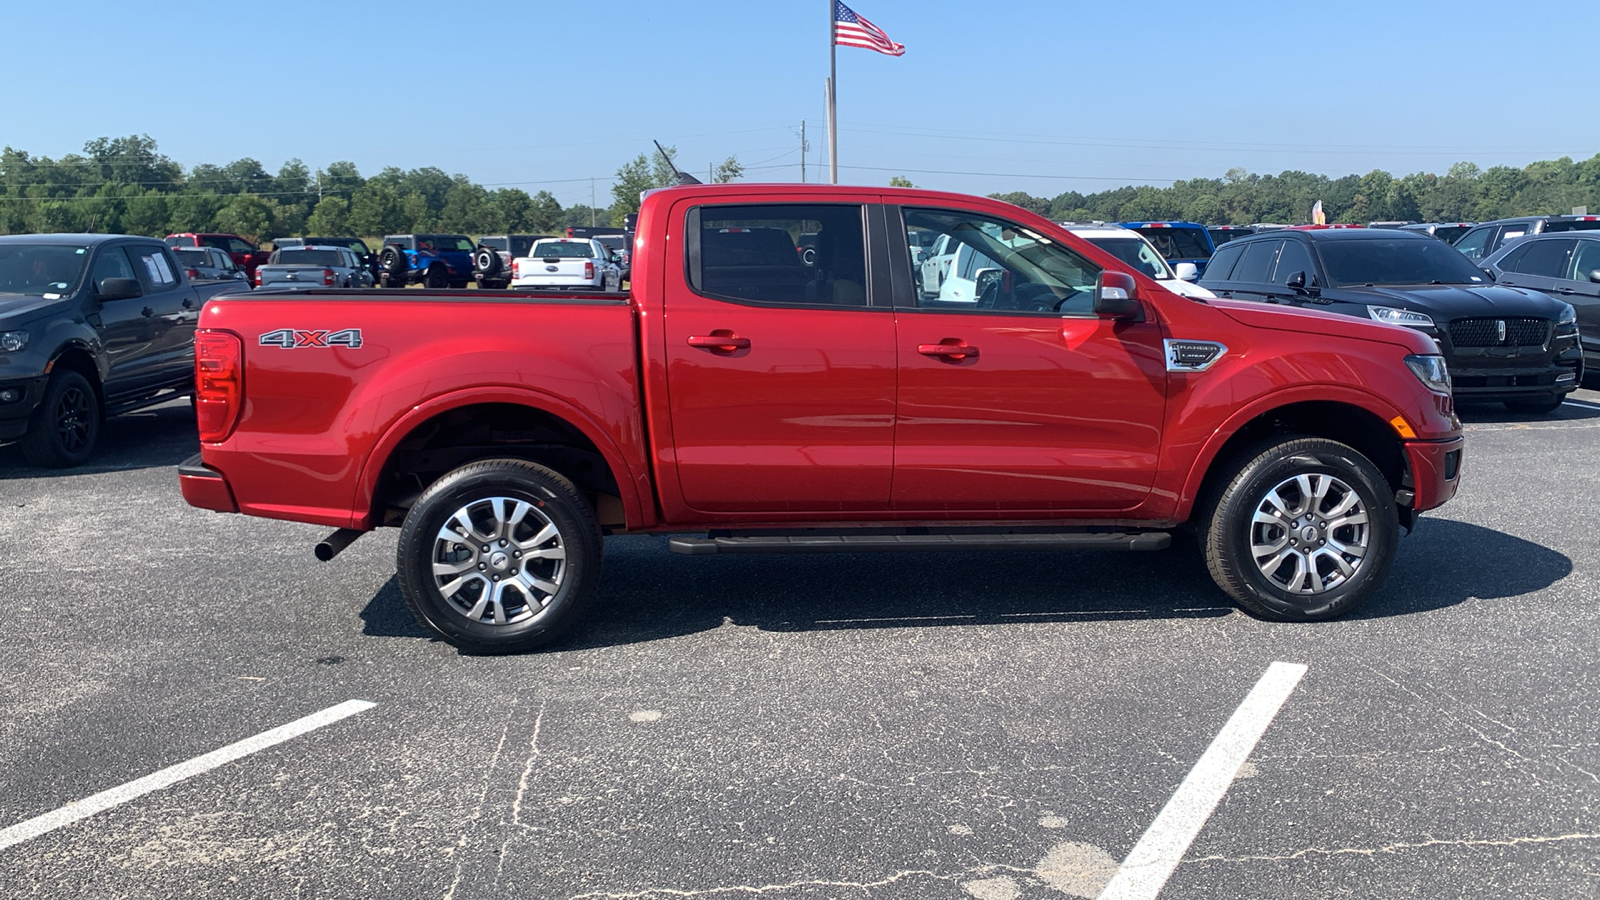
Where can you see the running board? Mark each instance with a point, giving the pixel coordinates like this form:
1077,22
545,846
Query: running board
870,543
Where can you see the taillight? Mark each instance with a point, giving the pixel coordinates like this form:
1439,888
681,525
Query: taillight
218,383
327,278
258,278
588,271
192,273
516,268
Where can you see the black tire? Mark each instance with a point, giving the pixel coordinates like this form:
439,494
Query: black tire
1316,560
486,263
487,493
1537,407
63,430
393,263
436,278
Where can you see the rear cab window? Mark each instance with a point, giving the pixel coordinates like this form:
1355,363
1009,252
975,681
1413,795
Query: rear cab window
752,254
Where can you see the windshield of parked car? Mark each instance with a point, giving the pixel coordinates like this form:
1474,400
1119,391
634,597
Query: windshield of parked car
563,250
192,256
354,245
40,269
452,242
1177,243
1135,253
1350,263
310,258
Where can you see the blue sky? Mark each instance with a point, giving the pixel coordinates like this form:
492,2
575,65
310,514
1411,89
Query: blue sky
1031,95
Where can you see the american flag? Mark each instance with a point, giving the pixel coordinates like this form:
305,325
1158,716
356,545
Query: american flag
851,30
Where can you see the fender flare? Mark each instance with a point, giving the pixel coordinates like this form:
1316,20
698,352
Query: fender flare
1370,402
630,483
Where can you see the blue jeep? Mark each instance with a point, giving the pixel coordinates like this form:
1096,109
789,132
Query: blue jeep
434,260
1179,242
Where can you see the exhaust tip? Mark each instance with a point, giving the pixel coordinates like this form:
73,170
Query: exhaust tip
333,544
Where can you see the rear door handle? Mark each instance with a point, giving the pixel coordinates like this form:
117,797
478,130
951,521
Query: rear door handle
722,340
951,349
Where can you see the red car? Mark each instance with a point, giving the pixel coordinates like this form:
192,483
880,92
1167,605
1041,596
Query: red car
244,254
774,402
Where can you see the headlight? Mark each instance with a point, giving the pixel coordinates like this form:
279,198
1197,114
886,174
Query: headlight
1569,316
12,341
1395,316
1431,371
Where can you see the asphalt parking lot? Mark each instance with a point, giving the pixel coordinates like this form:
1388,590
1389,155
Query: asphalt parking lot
990,726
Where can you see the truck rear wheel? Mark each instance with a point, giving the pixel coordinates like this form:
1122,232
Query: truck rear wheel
436,278
499,556
1305,529
63,429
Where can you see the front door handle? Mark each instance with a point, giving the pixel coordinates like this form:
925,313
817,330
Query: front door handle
1565,291
720,341
952,349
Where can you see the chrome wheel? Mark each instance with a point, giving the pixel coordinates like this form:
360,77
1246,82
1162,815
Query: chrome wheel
499,561
1310,534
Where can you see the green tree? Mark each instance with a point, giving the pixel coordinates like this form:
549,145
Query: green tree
146,214
900,181
246,215
727,170
330,218
375,210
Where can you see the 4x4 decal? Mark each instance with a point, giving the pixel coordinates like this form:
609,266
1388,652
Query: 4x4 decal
292,338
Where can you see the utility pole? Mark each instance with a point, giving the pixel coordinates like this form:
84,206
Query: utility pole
803,149
591,203
709,177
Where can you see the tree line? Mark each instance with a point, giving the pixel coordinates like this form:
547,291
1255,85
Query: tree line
125,185
1465,193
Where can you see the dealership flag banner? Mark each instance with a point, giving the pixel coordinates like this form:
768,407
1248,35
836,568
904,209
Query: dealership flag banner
1318,217
848,29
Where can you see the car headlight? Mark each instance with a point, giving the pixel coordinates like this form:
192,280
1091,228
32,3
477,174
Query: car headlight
1396,316
12,341
1431,371
1569,315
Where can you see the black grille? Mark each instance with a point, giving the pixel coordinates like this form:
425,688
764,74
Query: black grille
1521,332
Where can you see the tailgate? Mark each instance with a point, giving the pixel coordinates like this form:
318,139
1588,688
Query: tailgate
329,380
297,275
552,270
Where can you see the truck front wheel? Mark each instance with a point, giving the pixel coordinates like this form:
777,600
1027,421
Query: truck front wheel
1305,529
499,556
63,429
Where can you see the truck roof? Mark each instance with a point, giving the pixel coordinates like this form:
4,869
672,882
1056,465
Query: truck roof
74,239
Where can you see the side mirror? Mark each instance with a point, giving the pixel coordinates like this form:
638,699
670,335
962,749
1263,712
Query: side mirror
1300,284
1488,272
118,288
1594,276
1187,271
1116,296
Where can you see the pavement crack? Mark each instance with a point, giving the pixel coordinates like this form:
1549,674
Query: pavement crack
1400,847
477,812
862,886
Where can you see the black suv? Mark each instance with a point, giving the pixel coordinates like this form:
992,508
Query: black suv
491,262
1477,243
1500,343
1567,267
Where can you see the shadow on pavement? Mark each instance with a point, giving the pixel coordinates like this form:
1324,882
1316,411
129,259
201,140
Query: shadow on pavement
649,594
1575,410
1445,563
159,436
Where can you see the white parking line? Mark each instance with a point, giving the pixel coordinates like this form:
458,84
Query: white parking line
1152,860
155,781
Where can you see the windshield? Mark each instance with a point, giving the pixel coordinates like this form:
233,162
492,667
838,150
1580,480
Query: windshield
192,256
309,258
520,245
1450,233
454,242
40,269
563,250
354,245
1350,263
1178,243
1135,253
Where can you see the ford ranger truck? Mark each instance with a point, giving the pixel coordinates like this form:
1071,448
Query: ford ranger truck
745,397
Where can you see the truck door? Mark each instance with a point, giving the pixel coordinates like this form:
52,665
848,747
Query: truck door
1024,399
127,333
780,368
173,309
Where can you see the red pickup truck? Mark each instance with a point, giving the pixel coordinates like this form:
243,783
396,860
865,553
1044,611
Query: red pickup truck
755,399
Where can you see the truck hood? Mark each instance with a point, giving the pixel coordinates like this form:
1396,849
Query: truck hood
1451,301
1306,321
18,309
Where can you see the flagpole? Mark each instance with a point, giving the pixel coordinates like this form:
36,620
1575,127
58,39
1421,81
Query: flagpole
833,97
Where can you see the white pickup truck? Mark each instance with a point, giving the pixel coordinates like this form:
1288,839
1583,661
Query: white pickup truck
567,264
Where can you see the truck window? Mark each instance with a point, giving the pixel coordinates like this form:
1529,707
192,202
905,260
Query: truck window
1256,267
111,262
999,267
1546,258
751,253
156,268
1221,266
1291,259
297,257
